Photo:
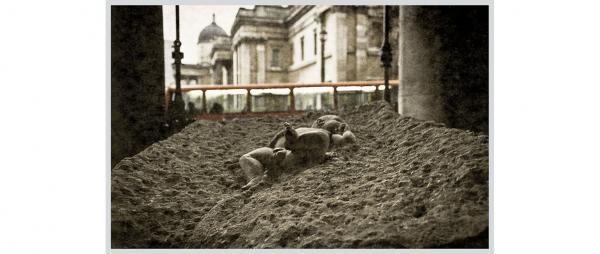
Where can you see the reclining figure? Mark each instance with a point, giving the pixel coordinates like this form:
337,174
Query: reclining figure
331,123
335,125
292,148
310,145
256,163
338,131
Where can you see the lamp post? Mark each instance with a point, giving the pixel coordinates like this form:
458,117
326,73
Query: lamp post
177,114
323,37
386,54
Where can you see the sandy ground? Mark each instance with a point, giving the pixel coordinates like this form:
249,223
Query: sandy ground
407,183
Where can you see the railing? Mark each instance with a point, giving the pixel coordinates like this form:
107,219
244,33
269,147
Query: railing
248,87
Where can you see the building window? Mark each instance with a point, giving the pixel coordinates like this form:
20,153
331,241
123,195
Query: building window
275,58
315,41
302,48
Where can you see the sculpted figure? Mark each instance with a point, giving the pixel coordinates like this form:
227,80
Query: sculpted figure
310,144
331,123
347,137
292,148
255,163
341,134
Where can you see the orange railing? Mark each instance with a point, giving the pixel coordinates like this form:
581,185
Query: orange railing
248,87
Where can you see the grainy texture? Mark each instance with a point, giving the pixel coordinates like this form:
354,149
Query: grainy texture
407,183
444,69
136,79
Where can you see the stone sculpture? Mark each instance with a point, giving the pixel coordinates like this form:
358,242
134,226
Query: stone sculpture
292,148
331,123
256,163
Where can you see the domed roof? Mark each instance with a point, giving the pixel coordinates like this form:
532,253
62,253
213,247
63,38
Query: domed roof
211,31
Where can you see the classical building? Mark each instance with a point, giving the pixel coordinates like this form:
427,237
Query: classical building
214,58
307,43
296,44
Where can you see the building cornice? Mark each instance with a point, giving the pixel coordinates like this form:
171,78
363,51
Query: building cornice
248,38
250,17
297,13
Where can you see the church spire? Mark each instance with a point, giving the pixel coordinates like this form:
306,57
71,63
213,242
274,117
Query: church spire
214,17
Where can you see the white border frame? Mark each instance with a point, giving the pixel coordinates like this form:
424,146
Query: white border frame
489,3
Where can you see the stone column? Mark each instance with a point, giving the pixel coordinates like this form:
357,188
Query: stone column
340,43
253,61
244,63
233,73
217,73
350,24
225,74
362,43
261,63
137,79
229,73
443,65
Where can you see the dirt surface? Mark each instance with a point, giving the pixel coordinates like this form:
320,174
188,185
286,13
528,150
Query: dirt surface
406,184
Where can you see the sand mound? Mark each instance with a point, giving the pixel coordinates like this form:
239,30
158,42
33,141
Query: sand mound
408,183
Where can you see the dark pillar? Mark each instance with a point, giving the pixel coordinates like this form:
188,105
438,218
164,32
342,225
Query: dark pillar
443,65
137,79
292,101
177,115
204,103
335,98
248,101
323,38
386,54
229,68
217,73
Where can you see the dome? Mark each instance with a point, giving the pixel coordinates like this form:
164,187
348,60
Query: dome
211,31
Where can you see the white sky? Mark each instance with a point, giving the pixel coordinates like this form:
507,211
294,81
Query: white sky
194,18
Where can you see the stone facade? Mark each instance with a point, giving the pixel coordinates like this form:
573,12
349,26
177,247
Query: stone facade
214,59
273,44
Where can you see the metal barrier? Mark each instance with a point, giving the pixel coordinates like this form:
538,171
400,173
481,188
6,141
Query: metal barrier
248,87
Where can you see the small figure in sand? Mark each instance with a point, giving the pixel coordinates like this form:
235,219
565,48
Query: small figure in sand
339,129
309,145
292,148
257,163
331,123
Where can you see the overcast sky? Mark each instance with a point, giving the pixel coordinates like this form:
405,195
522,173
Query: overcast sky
192,19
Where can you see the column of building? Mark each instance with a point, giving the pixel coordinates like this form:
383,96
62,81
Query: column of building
217,73
260,62
442,78
350,35
362,43
244,64
234,67
340,49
